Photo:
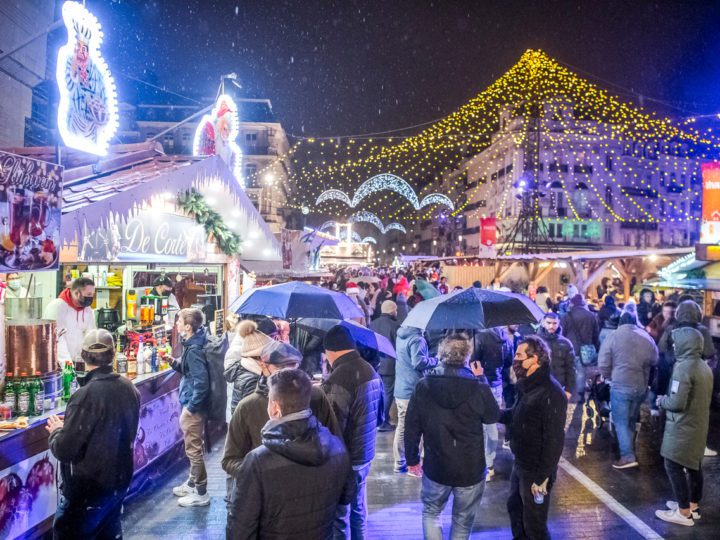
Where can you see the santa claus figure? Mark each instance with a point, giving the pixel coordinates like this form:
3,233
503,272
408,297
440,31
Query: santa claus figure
217,131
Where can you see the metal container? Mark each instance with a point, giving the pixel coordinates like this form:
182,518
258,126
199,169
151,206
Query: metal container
19,309
53,389
31,346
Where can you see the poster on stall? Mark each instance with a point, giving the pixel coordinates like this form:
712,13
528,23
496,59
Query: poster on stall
488,236
28,494
710,226
30,206
159,429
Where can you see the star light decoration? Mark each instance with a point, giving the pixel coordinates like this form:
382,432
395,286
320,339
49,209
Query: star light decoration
600,126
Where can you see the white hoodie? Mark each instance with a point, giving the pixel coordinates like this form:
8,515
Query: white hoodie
75,325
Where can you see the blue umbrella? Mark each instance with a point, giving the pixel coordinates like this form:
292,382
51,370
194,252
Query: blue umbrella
362,335
294,300
473,308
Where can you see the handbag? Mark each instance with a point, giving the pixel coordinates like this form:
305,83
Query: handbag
588,355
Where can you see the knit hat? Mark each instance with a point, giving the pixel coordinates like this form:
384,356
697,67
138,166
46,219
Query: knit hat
253,340
338,338
352,288
388,307
577,300
572,290
278,353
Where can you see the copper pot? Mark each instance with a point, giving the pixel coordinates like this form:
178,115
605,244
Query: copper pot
30,346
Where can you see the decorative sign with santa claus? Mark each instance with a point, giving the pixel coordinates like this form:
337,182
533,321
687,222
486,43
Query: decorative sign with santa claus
216,135
88,110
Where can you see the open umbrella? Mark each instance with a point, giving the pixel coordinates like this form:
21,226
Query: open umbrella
367,279
294,300
473,308
362,335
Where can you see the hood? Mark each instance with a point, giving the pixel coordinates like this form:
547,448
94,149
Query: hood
642,294
688,343
406,332
298,439
688,312
451,386
199,338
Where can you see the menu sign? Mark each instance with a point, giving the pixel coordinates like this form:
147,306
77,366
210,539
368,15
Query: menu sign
219,322
710,226
30,206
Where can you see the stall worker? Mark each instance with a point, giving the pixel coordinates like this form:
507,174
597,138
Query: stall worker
15,287
73,316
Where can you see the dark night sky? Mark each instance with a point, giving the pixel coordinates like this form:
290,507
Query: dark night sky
347,67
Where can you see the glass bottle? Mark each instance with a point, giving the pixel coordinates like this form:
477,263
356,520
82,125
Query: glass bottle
23,396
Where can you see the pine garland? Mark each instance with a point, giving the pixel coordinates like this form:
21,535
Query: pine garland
193,203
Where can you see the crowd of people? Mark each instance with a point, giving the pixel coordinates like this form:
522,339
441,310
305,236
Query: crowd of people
306,410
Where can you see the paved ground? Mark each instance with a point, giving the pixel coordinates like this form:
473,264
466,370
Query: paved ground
590,501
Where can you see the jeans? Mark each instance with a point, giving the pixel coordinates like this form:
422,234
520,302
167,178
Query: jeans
625,410
388,395
580,378
193,426
82,519
528,520
399,441
490,431
466,502
687,485
357,509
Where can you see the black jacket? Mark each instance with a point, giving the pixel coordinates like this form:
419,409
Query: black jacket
354,389
386,326
95,445
581,327
243,380
538,424
562,358
493,348
290,487
195,382
447,410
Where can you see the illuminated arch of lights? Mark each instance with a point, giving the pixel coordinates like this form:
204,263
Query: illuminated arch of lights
327,225
369,217
369,240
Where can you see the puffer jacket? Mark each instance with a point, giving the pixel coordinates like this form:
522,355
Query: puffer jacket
195,382
354,390
688,402
493,348
687,315
413,359
581,328
290,487
562,358
626,357
244,375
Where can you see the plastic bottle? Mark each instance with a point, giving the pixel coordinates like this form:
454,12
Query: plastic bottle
154,360
141,357
38,395
10,395
23,396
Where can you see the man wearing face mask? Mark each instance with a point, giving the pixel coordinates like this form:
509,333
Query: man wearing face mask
14,286
73,317
536,439
163,286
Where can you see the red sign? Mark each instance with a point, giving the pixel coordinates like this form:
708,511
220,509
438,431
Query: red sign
710,228
488,231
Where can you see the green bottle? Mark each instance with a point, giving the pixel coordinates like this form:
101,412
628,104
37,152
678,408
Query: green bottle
23,396
67,380
38,395
10,396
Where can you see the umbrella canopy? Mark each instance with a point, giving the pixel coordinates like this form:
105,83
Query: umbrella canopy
361,335
426,289
367,279
473,308
294,300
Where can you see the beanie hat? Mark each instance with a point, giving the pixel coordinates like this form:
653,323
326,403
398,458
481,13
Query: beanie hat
352,288
388,307
572,290
577,300
278,353
253,340
338,338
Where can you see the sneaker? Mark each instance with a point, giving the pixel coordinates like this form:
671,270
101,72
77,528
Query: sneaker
710,453
194,499
625,463
386,426
401,470
673,505
183,490
490,474
415,471
674,516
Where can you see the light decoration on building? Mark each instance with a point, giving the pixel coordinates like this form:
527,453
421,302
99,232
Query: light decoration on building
217,133
369,217
369,240
328,225
672,271
88,109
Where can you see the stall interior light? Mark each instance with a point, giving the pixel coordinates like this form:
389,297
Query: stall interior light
236,212
231,224
211,201
253,234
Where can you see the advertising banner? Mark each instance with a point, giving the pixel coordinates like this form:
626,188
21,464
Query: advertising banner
488,236
710,227
159,429
30,207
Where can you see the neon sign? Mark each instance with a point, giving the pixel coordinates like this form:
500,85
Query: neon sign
88,111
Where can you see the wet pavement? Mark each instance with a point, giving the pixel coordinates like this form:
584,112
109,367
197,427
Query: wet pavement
590,500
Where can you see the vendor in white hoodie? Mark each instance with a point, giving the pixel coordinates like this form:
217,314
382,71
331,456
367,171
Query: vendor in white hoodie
73,316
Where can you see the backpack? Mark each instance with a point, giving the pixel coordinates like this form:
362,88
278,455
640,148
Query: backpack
215,349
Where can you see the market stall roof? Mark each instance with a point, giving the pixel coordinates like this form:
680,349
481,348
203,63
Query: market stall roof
570,255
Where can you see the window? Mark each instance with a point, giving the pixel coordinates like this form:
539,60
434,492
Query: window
250,170
608,235
558,230
185,136
583,231
609,163
576,230
663,178
551,230
609,196
251,138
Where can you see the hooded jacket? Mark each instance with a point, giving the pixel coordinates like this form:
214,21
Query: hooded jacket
195,382
493,348
447,411
687,402
687,315
413,359
244,375
644,309
291,485
562,358
626,357
387,326
74,323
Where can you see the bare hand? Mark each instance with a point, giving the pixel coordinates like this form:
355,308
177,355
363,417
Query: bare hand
658,401
569,395
542,488
477,368
54,423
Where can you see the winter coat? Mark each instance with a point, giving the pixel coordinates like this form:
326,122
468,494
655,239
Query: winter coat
562,358
688,402
493,348
354,391
626,357
447,411
95,444
402,307
195,382
251,415
291,485
687,314
644,309
386,326
75,325
244,375
605,313
657,326
581,328
537,422
413,359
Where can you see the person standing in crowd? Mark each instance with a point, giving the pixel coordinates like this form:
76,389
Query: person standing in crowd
626,357
194,398
443,413
242,360
443,286
686,427
94,445
562,354
661,321
73,317
354,391
353,292
608,327
493,348
291,485
413,360
536,439
581,328
609,309
386,325
645,307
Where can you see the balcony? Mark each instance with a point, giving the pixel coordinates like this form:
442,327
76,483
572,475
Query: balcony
259,150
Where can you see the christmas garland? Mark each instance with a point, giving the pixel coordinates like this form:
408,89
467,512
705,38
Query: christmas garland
193,203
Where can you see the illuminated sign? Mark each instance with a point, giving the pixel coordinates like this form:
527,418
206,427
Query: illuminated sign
710,228
88,111
216,135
